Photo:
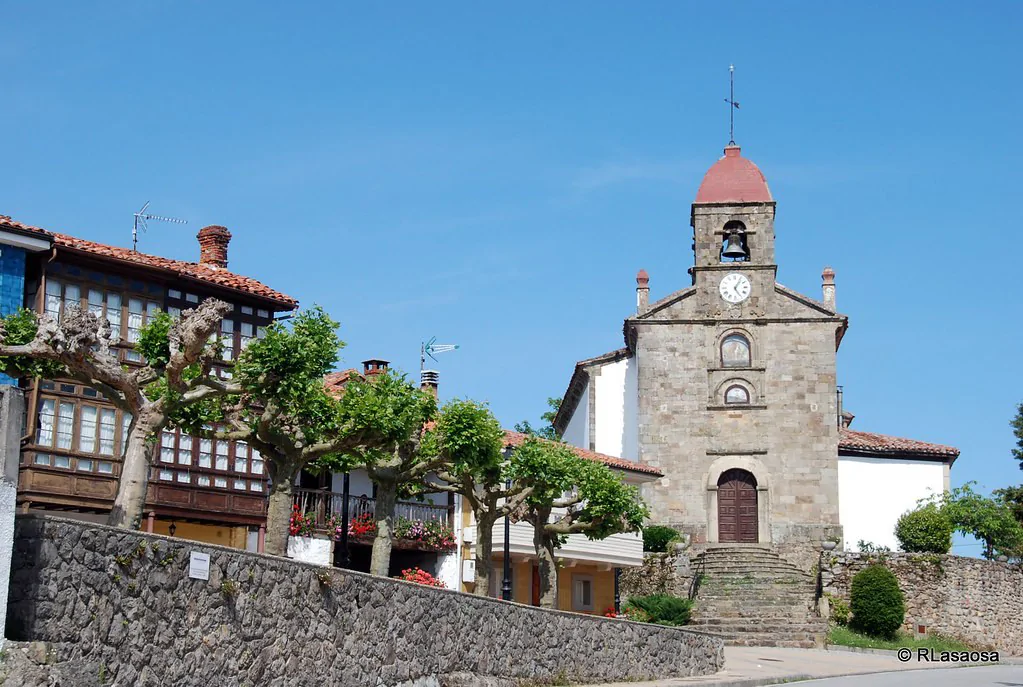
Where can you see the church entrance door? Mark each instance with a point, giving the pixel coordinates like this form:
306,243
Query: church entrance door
737,507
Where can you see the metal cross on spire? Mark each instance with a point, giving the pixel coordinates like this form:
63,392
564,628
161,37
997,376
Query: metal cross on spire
732,104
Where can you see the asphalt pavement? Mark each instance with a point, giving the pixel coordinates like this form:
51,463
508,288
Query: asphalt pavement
753,666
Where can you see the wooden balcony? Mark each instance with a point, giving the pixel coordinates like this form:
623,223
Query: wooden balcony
322,504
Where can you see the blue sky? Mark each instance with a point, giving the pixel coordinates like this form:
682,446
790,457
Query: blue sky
496,176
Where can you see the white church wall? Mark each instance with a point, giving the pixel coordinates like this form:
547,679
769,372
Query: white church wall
577,433
874,492
609,420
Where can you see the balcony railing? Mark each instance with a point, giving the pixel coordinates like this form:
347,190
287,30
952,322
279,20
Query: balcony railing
322,504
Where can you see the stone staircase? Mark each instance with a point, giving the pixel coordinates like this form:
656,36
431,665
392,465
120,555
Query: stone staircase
753,597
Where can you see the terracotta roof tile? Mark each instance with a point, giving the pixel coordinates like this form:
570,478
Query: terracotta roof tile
335,381
192,270
868,442
733,179
7,223
513,439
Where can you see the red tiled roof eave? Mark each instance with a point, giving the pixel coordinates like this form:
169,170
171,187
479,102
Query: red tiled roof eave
513,439
20,227
189,270
854,441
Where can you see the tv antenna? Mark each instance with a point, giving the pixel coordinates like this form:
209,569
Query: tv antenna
432,348
140,221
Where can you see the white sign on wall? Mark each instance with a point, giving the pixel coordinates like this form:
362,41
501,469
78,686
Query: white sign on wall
199,565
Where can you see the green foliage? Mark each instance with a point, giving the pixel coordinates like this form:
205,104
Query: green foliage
548,468
662,609
845,636
546,430
1017,431
20,328
840,611
657,538
1013,498
989,520
876,601
229,588
153,342
926,529
871,547
471,440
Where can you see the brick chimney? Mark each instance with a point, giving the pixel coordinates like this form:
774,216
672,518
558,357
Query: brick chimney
828,276
374,366
642,291
213,242
429,380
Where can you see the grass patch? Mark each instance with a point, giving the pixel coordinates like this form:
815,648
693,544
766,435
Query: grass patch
843,636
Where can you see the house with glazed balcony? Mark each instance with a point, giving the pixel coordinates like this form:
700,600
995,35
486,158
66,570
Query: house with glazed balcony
207,490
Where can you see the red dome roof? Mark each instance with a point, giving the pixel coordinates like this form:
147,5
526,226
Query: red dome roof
733,179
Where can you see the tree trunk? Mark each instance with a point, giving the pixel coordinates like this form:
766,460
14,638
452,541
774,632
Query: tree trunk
484,553
383,513
278,516
130,502
543,543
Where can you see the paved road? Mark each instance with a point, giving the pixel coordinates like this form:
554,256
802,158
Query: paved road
765,666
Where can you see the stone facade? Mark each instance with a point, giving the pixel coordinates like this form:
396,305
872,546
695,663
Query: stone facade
786,436
121,606
979,602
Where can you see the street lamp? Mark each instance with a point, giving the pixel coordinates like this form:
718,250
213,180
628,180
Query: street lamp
506,590
342,557
618,594
172,529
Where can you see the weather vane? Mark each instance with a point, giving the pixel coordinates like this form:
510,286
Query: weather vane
732,104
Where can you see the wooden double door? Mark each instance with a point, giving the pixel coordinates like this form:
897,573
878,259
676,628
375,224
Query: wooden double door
737,507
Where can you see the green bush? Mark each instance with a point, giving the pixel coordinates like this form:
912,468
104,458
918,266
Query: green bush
657,538
663,609
876,602
839,610
924,530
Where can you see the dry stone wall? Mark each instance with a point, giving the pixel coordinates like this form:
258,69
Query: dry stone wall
121,606
977,601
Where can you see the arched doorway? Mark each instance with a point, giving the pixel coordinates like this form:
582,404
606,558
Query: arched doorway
737,507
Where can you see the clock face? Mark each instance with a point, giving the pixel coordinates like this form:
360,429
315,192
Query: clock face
735,287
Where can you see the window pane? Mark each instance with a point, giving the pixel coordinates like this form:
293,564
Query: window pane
735,351
106,432
203,481
174,312
87,431
151,309
227,339
239,484
52,306
184,477
263,313
96,302
246,310
205,453
191,298
42,459
736,394
185,450
61,462
65,425
84,465
222,455
247,334
220,482
125,428
106,468
167,447
114,315
257,463
44,435
167,475
72,296
255,486
134,319
173,293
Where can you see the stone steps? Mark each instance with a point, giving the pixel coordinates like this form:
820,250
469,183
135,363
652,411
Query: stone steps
752,597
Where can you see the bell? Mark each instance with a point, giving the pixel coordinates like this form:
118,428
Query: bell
734,249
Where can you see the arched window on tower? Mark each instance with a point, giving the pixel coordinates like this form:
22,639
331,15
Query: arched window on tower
736,395
735,351
733,244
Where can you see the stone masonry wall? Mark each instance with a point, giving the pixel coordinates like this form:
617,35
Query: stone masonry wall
976,601
120,606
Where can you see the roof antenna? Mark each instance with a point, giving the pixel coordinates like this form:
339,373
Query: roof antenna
733,105
431,348
140,221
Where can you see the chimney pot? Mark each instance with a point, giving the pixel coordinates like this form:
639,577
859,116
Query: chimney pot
374,366
642,291
828,288
213,242
429,380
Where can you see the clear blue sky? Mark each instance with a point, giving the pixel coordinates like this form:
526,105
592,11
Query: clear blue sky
496,177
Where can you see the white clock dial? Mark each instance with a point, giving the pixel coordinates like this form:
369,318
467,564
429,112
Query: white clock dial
735,287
